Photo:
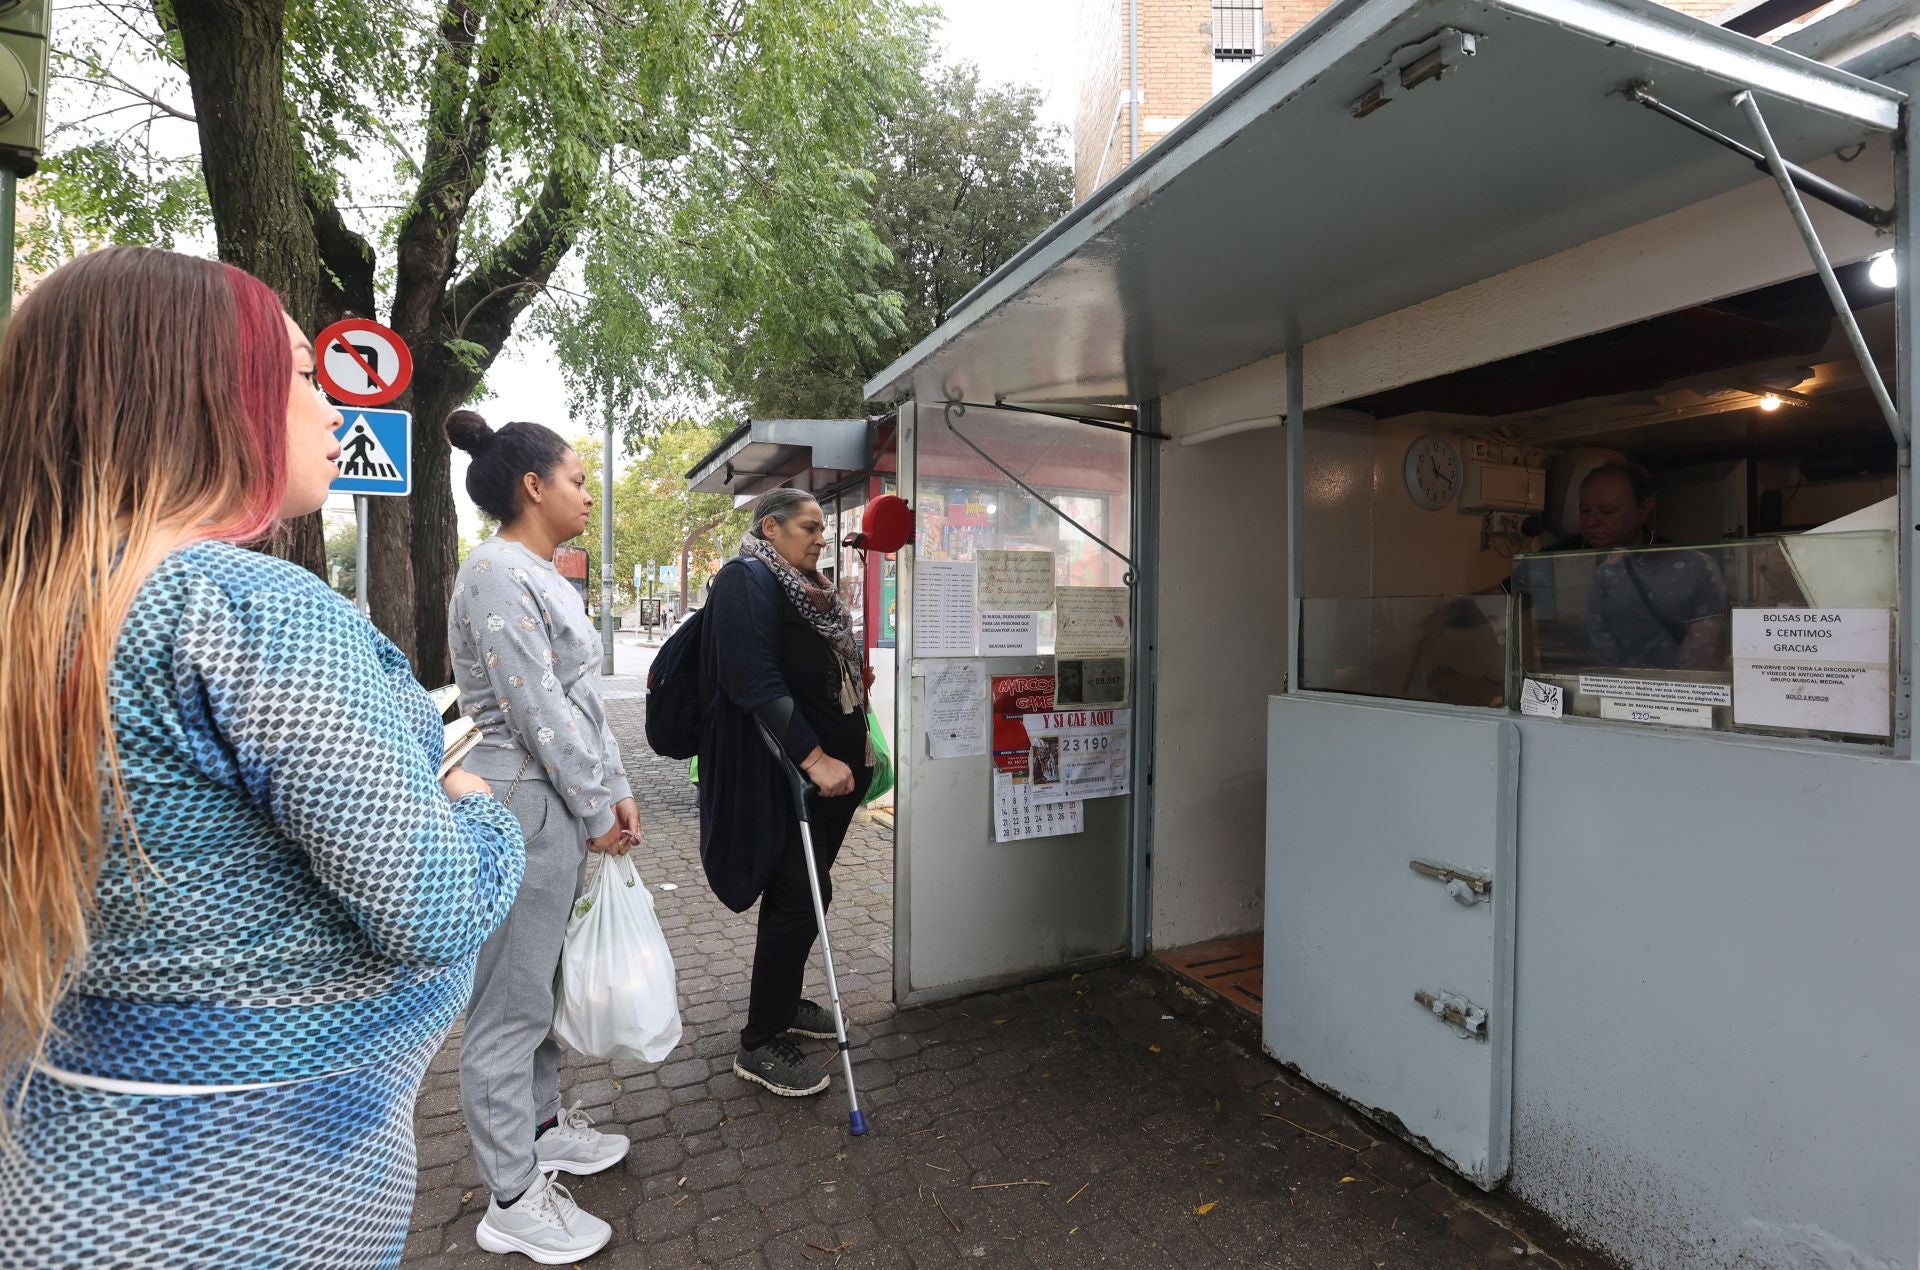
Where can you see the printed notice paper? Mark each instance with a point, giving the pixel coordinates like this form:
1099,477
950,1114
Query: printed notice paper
943,612
1076,754
1542,699
1015,581
1825,670
956,709
1009,634
1089,682
1092,619
1017,816
1677,691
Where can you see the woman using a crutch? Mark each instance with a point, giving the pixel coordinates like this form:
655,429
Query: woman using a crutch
778,647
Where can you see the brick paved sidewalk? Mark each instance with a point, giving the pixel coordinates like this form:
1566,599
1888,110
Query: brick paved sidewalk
1084,1121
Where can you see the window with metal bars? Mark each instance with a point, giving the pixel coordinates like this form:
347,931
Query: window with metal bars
1236,30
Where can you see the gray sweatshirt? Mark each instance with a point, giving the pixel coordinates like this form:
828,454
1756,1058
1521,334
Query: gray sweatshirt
527,662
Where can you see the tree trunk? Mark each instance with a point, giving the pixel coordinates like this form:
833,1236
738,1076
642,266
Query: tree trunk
235,67
435,543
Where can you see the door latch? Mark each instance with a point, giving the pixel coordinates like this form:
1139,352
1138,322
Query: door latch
1467,1020
1464,886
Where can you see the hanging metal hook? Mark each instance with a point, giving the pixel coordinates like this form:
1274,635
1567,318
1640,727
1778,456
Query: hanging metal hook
953,408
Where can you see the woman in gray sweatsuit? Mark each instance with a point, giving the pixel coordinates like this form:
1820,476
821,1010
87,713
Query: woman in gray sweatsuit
527,662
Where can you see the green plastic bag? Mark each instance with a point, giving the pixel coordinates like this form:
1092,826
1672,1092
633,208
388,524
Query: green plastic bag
882,761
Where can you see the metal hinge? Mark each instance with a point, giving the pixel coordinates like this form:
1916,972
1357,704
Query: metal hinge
1467,1020
1414,64
1468,888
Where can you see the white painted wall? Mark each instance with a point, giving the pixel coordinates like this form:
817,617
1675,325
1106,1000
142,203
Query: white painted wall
1222,653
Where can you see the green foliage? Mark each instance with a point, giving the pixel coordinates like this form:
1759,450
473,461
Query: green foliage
963,178
342,549
654,512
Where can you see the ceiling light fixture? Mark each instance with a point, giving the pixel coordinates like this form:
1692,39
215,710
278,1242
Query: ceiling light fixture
1770,401
1881,271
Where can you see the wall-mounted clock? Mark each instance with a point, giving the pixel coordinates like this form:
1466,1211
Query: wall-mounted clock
1433,472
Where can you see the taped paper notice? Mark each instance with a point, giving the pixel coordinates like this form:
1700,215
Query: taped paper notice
956,709
1679,716
1677,691
1824,670
1016,816
1544,700
1092,619
1009,634
1015,581
1089,682
943,612
1076,754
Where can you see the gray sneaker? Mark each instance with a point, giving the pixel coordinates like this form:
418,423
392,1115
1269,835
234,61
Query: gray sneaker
544,1224
780,1066
813,1020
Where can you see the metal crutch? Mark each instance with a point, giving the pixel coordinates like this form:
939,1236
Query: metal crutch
798,785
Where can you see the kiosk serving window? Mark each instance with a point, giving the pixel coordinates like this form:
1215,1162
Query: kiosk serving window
1790,635
1686,522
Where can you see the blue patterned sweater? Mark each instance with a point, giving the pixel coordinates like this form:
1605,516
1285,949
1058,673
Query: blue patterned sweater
314,902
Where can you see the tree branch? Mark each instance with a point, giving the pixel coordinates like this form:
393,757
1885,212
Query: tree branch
118,84
484,304
346,263
459,134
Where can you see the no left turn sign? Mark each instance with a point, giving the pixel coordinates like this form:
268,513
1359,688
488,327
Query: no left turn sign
362,363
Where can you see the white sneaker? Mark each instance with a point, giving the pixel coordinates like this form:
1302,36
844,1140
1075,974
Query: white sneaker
574,1146
544,1224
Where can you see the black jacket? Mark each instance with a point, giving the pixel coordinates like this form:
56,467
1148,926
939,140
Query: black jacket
765,661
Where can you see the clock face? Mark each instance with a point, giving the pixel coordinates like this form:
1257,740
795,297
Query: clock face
1433,472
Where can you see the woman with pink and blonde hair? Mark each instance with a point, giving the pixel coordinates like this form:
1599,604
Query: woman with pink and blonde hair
238,909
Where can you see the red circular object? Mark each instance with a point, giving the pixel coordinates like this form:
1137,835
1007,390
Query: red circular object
887,523
376,379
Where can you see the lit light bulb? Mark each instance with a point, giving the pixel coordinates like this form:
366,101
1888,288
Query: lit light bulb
1880,270
1770,402
992,508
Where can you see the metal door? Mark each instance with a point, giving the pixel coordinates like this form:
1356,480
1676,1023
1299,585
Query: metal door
970,912
1389,937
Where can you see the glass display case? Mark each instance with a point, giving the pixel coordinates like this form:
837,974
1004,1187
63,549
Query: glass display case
1778,636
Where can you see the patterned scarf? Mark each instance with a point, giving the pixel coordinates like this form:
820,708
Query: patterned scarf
819,604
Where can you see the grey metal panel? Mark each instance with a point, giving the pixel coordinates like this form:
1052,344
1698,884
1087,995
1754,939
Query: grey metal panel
1278,215
1356,791
768,451
1146,648
982,912
970,913
1716,1064
906,436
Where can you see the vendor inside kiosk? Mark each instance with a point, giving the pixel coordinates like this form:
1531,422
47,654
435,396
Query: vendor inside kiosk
1602,528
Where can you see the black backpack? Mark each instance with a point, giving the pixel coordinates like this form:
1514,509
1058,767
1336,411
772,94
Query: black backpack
678,687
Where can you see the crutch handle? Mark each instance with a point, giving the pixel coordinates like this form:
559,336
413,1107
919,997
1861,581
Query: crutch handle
797,783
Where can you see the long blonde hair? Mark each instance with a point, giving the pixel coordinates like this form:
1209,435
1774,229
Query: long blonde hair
143,402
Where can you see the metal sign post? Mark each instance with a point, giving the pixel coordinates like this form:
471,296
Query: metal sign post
606,549
360,552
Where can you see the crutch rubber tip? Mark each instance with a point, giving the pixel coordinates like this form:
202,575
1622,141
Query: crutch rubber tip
856,1123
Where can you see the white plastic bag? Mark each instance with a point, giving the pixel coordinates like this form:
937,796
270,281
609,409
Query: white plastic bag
618,998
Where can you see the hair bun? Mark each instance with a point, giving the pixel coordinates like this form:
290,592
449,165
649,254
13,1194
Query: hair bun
468,429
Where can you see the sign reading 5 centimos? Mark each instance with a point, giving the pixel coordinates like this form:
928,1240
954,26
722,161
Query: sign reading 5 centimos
1824,670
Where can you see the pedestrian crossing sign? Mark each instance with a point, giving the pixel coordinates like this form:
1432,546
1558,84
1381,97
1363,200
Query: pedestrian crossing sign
376,453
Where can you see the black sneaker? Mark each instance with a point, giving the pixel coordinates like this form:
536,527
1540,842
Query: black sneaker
780,1066
813,1020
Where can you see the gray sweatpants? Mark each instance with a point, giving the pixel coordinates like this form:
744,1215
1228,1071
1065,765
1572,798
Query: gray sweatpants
509,1061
